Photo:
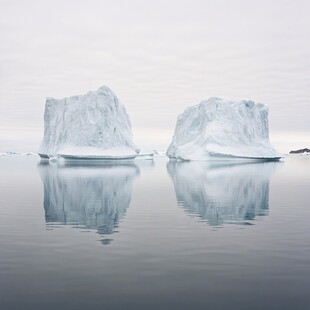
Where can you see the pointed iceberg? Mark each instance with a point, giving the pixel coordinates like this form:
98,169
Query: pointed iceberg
219,129
94,125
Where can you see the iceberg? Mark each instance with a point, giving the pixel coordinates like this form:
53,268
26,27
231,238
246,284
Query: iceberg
93,126
217,129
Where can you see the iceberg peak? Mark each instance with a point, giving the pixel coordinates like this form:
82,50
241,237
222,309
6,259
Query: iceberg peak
104,88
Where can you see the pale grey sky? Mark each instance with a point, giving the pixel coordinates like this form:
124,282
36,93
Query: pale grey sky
158,57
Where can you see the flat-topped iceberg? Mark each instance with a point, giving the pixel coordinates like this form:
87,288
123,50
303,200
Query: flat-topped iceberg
219,129
94,125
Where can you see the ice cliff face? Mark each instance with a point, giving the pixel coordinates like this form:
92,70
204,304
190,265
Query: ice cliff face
93,196
92,124
224,128
231,193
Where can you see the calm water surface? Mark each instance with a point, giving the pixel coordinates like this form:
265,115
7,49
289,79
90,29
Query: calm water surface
154,235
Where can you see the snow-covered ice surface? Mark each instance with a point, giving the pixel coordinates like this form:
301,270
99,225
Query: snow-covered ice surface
95,153
92,125
219,129
89,195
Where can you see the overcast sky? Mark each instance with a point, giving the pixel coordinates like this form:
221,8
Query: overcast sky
158,57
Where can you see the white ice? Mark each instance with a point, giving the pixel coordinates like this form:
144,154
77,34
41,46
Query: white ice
222,129
92,125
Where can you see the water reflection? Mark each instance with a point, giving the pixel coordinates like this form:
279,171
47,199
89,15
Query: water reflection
87,195
222,193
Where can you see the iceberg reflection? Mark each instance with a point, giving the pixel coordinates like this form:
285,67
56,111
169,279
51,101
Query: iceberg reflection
88,195
224,192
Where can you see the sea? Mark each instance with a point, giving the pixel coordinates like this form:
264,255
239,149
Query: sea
154,234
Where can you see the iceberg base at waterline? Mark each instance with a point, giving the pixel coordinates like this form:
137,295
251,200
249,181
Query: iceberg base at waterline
217,157
95,153
92,154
